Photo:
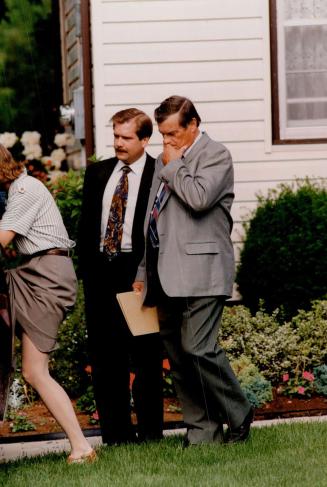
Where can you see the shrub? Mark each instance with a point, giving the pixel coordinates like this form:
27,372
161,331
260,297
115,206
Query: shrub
86,402
284,258
269,345
311,329
257,389
320,374
67,191
69,361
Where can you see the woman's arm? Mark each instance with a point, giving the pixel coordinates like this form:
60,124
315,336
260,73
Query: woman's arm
6,236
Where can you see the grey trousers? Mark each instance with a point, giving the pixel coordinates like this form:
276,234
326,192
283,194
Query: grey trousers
208,390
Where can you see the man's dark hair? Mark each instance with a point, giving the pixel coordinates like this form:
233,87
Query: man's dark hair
144,126
177,104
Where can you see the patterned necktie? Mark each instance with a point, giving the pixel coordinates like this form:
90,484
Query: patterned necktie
114,231
153,232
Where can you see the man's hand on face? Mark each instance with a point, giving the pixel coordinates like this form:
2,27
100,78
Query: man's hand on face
171,153
138,287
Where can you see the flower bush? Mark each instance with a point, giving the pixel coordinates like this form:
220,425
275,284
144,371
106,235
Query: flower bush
298,384
28,148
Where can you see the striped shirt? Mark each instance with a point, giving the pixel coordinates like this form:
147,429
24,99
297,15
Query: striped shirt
32,214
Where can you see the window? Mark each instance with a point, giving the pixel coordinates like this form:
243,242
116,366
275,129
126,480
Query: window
299,70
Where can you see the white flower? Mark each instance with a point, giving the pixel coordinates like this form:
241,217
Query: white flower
8,139
57,156
46,161
64,139
30,138
32,151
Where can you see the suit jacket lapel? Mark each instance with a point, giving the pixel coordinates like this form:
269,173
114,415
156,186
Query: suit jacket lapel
104,175
197,148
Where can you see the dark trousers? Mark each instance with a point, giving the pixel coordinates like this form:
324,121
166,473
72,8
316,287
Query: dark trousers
209,392
115,353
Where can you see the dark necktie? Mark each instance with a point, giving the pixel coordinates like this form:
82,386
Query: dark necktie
114,231
153,232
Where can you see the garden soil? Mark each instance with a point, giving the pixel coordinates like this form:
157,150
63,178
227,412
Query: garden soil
280,407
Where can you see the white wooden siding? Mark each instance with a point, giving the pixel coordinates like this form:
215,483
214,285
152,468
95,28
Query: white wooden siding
216,52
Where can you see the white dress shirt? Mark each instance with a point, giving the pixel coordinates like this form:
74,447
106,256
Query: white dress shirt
134,180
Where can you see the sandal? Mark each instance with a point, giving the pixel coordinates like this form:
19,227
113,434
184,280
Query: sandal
86,458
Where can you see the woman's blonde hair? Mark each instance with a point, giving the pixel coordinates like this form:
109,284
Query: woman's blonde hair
9,168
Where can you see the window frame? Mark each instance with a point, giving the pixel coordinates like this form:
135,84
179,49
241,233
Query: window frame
280,134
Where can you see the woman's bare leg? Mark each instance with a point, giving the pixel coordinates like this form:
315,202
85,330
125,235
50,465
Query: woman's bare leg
36,372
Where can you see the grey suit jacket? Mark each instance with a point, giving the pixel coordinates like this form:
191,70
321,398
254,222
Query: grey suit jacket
196,255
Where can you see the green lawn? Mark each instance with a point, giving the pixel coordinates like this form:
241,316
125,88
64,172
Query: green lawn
279,456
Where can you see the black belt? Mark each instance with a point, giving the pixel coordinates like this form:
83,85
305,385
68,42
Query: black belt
62,252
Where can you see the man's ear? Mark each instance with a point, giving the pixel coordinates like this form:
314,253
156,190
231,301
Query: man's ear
145,142
193,125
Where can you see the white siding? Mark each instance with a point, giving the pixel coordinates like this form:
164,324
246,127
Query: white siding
216,52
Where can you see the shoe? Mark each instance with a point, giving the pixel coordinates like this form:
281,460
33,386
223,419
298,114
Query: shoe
90,457
242,432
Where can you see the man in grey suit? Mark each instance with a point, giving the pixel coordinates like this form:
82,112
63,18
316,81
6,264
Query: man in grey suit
188,271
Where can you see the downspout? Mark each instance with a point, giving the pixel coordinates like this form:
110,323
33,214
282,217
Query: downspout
87,77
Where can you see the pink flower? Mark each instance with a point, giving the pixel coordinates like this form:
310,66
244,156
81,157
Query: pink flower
308,376
285,377
301,390
95,416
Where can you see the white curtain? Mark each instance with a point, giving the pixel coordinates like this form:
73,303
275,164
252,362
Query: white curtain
306,62
305,9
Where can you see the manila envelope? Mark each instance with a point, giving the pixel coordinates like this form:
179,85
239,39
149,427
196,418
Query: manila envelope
140,319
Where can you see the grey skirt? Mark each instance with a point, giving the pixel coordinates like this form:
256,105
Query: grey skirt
41,292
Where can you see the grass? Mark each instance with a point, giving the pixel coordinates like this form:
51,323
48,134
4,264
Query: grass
279,456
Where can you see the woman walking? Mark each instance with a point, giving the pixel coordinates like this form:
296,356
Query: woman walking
41,290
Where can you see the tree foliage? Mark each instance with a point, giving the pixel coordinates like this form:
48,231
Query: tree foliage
30,78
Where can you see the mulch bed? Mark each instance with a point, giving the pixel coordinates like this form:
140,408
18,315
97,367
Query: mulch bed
286,407
280,407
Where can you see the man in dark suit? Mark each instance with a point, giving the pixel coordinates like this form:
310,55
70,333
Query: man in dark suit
188,271
111,245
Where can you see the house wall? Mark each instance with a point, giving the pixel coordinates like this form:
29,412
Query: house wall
71,48
217,53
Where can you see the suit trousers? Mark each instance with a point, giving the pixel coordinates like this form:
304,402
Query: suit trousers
209,392
115,352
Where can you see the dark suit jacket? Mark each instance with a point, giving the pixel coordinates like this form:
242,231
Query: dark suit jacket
96,178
